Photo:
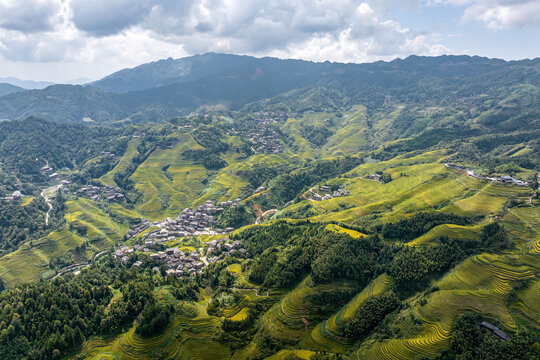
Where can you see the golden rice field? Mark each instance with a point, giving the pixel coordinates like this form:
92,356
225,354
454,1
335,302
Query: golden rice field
185,338
479,284
163,197
452,231
328,335
352,233
290,320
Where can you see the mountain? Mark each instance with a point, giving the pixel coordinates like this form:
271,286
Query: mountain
170,71
26,84
63,103
6,89
168,88
341,211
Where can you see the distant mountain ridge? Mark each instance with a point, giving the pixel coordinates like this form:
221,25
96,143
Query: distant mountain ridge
167,88
26,84
6,89
169,71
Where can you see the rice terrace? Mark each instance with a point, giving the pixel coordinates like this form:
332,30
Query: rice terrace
357,196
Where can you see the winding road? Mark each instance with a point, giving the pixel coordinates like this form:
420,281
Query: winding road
48,194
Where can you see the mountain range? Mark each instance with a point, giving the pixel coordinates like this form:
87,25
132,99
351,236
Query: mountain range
168,88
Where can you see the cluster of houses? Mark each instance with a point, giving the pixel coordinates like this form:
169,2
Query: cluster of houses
49,173
261,134
190,222
472,173
138,228
328,194
222,246
267,141
179,263
122,253
108,193
15,197
107,154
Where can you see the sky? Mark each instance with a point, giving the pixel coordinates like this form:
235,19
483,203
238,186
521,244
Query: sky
62,40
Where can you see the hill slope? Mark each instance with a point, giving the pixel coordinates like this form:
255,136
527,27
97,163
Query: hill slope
6,89
167,88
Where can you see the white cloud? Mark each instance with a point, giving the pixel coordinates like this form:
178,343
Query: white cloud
498,14
117,33
28,15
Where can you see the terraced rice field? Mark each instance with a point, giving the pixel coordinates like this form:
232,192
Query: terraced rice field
163,197
292,354
241,315
479,284
185,338
328,335
415,187
30,262
125,160
351,136
99,225
452,231
290,319
352,233
32,259
236,269
123,212
27,200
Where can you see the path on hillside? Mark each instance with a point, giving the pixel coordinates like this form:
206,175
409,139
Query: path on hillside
48,194
265,214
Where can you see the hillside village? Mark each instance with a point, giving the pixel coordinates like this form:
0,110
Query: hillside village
262,134
107,193
190,222
502,179
180,263
327,193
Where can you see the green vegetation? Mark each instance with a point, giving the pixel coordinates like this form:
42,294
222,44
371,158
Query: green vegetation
404,267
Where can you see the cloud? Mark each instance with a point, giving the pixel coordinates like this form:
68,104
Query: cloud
108,17
122,33
498,14
28,15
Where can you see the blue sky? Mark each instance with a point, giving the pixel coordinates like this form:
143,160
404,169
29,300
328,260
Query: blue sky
58,40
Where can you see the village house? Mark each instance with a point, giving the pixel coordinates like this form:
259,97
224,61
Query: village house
495,330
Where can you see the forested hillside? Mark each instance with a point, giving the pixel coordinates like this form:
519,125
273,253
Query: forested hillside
322,211
168,88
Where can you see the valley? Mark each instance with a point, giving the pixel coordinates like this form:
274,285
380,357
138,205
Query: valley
378,227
